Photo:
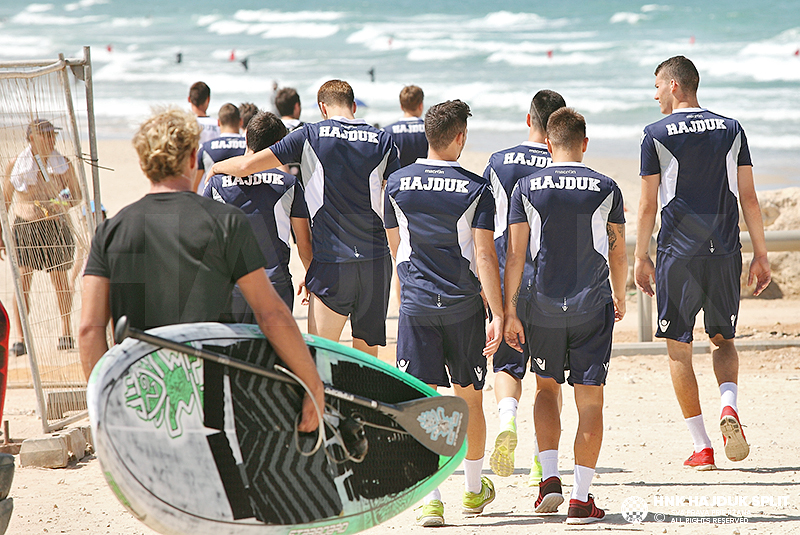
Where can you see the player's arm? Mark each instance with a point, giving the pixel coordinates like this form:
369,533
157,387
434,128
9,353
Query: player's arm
489,274
617,266
280,328
759,267
95,314
246,165
393,236
644,270
302,235
518,236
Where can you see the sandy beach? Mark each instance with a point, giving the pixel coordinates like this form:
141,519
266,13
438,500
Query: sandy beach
645,440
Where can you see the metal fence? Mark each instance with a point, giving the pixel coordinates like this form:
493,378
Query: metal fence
47,223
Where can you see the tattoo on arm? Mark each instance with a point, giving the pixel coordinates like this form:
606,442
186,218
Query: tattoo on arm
612,236
516,295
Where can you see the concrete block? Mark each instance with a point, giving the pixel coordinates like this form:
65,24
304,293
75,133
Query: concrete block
45,452
87,435
75,442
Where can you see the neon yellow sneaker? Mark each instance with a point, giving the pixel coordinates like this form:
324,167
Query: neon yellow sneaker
536,472
430,515
474,503
502,458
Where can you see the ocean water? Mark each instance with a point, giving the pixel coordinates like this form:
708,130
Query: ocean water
599,55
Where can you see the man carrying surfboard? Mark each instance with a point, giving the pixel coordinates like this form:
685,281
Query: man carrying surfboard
174,256
573,220
440,224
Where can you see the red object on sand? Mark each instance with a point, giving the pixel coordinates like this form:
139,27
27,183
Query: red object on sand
549,53
691,40
109,47
233,55
797,52
4,329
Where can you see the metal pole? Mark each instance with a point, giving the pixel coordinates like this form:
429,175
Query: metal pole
76,138
87,69
11,248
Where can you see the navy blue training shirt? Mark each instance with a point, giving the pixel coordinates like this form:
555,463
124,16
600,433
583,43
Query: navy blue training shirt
567,206
344,163
409,135
504,169
269,198
436,205
697,154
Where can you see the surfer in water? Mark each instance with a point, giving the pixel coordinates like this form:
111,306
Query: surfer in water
174,256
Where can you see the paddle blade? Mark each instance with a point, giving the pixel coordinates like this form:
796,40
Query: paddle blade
439,423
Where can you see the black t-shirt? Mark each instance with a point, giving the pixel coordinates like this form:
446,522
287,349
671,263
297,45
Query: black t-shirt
173,258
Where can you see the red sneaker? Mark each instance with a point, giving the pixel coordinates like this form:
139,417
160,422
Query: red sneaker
584,512
550,496
736,446
701,460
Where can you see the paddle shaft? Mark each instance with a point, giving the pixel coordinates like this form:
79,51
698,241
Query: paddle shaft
224,360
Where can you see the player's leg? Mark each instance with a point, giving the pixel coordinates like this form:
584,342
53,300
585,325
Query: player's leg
322,321
464,336
589,358
536,466
371,305
420,353
721,312
509,368
679,296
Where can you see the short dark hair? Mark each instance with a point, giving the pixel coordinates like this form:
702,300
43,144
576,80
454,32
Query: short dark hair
411,96
285,100
444,121
247,110
337,93
566,128
264,130
682,70
543,104
229,115
199,93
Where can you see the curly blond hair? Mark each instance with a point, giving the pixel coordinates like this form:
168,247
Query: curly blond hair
165,141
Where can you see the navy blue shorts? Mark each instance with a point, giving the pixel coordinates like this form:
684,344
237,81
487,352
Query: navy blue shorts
428,344
580,344
241,311
686,285
356,289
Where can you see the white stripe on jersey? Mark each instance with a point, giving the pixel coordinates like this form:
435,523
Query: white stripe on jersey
669,172
599,221
535,223
376,186
500,205
282,210
404,249
314,178
465,241
732,164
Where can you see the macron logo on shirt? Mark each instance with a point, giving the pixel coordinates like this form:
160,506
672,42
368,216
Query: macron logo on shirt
435,183
695,127
348,135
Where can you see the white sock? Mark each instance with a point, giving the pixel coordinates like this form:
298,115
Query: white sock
728,393
549,460
508,409
698,431
583,478
433,495
472,475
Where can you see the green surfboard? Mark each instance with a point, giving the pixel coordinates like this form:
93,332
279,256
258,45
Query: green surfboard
192,446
